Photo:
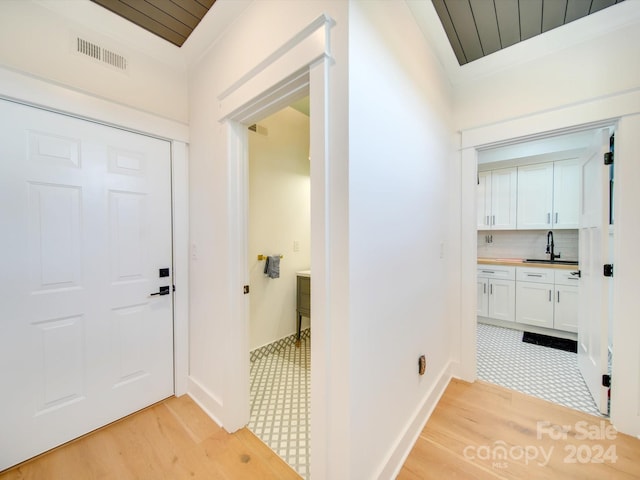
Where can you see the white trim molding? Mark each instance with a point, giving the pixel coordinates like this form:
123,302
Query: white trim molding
300,67
36,92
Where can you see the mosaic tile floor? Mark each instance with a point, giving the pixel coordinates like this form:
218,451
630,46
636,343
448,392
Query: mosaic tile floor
543,372
280,378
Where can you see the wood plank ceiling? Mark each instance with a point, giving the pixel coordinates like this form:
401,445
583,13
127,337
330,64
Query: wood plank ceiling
172,20
477,28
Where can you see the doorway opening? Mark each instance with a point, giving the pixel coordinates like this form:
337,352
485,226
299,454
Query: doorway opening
543,221
279,264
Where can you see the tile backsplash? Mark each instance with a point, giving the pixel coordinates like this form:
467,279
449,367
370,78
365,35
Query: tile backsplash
527,244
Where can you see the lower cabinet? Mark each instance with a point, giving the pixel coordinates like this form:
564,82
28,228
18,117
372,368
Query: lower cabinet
496,293
544,297
547,301
534,305
566,298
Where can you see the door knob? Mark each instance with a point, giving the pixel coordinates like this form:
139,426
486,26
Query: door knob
163,291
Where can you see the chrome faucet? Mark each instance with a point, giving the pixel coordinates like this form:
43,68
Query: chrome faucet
552,255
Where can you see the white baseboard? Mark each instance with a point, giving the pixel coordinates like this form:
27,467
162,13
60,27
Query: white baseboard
206,400
403,445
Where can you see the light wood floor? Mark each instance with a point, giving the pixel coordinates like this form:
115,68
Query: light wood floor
173,439
473,421
176,440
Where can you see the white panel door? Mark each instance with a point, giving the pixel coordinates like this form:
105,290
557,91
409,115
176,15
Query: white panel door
86,224
594,287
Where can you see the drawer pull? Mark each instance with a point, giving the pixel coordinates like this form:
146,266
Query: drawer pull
534,275
488,271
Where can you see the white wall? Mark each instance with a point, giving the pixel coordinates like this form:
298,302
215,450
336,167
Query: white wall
400,230
279,214
38,38
389,181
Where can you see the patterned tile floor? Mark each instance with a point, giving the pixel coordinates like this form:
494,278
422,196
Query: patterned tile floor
280,378
543,372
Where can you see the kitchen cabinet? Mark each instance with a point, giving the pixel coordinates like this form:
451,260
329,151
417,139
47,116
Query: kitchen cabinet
496,292
566,193
566,301
547,298
496,199
535,304
548,195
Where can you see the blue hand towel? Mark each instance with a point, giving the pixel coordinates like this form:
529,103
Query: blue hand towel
272,266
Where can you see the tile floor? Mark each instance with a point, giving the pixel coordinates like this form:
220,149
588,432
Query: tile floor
280,396
543,372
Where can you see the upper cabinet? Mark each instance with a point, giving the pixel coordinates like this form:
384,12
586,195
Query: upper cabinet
497,199
566,194
548,195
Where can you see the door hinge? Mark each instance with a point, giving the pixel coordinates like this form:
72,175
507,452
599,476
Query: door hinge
174,288
608,158
606,380
608,270
246,289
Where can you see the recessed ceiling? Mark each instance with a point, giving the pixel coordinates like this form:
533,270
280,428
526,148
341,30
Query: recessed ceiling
172,20
477,28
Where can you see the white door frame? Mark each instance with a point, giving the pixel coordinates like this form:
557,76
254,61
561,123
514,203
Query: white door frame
301,67
622,109
41,94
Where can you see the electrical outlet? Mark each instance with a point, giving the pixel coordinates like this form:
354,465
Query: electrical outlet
422,364
296,245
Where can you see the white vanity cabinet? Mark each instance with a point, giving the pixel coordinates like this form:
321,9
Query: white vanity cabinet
496,292
548,195
496,199
547,298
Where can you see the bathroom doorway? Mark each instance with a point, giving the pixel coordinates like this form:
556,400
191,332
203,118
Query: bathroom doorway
278,252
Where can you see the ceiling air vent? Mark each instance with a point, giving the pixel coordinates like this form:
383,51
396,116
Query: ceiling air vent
102,54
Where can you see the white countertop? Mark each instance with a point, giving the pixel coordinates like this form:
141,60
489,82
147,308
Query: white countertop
304,273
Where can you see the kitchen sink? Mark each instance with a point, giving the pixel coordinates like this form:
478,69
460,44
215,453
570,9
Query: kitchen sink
558,262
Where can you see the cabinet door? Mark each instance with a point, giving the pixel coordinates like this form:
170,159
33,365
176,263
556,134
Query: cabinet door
483,297
535,196
504,184
535,304
566,309
484,200
566,193
502,299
